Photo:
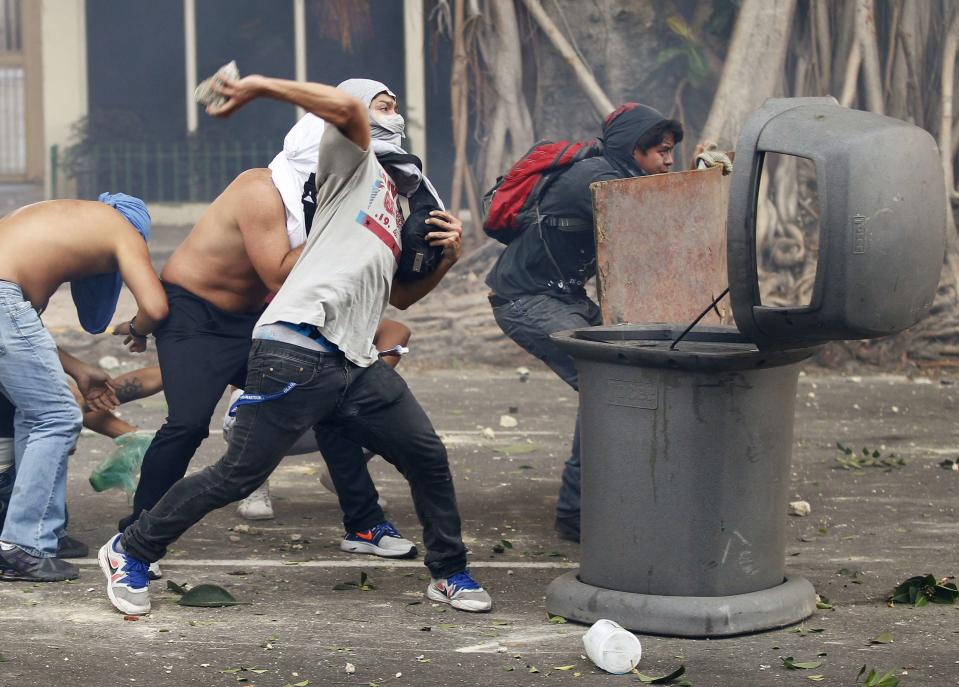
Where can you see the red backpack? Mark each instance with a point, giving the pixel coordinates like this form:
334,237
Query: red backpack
513,202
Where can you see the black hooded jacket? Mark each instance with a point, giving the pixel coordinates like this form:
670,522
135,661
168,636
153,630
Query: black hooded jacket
561,261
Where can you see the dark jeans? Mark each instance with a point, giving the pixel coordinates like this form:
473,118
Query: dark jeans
355,489
201,350
370,406
529,320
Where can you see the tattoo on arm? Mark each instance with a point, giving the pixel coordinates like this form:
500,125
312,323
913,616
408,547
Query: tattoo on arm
129,390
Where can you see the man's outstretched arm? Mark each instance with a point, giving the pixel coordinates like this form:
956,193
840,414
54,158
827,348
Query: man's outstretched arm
332,105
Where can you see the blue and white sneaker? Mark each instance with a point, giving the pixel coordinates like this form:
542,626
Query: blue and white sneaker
460,591
127,581
380,540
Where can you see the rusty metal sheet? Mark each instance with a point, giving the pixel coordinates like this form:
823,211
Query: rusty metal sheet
661,247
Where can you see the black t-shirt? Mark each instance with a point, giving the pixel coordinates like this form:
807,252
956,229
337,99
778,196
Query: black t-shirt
554,260
6,418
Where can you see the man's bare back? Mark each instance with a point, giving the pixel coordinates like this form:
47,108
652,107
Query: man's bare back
213,261
46,244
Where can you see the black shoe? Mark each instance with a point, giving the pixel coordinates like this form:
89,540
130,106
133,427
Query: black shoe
17,564
68,547
567,527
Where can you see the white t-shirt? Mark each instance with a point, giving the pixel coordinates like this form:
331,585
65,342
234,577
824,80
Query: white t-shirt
341,282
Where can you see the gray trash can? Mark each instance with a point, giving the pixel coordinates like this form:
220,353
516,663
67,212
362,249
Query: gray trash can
686,450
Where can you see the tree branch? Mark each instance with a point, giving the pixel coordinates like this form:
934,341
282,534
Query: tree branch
866,35
594,91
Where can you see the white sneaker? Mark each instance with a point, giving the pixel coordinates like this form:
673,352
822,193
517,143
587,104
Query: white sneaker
460,591
154,572
257,506
127,581
382,540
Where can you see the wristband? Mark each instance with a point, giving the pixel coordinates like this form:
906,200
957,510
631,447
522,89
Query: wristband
133,330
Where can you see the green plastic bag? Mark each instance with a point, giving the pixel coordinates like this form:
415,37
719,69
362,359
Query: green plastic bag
122,469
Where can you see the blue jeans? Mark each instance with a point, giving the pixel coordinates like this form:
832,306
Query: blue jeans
529,320
46,425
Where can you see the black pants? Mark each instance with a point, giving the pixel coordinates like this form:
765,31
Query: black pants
201,350
355,490
370,406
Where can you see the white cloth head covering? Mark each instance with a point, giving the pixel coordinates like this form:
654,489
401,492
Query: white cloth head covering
292,167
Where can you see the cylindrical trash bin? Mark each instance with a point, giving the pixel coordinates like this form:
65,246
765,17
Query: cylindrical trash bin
695,445
686,451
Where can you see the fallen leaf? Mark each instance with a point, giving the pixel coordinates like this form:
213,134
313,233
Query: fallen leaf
816,678
884,638
570,667
176,588
792,664
556,619
662,679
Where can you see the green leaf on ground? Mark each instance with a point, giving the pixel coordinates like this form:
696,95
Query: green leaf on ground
920,590
662,679
802,630
208,596
816,678
870,458
822,603
177,588
364,584
506,543
792,664
569,667
556,619
884,638
876,679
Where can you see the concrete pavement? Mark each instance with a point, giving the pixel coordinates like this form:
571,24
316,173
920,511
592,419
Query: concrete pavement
880,526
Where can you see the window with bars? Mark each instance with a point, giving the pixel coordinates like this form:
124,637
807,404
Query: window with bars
10,26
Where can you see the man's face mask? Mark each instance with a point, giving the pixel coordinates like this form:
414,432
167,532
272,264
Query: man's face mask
393,123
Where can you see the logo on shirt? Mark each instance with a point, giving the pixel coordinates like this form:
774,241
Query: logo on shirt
383,216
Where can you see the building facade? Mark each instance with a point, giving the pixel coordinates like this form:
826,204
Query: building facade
97,94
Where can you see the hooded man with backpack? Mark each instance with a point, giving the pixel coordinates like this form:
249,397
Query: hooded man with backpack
538,283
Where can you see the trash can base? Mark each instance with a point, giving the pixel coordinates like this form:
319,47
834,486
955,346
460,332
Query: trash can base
683,616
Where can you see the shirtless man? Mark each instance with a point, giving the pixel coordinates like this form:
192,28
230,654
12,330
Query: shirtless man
217,282
93,245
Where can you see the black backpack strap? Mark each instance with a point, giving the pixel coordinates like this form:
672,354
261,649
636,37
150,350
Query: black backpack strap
568,223
309,201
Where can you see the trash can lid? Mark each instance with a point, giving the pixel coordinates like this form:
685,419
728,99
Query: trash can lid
708,348
882,223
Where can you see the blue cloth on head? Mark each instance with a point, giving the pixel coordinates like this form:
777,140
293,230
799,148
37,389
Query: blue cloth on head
96,296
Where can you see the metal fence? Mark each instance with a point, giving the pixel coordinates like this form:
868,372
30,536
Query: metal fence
179,172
